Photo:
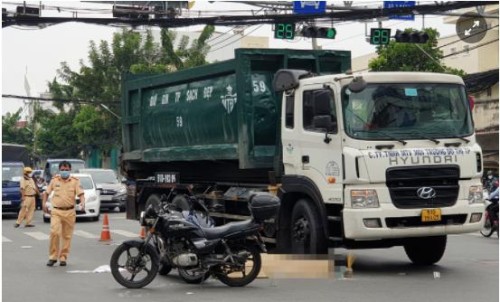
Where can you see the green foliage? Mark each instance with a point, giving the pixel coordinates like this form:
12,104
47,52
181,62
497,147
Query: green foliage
11,133
409,57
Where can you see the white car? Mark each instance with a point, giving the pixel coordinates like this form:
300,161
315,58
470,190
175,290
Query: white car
92,200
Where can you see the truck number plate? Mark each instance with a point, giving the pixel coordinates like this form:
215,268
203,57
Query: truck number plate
167,177
429,215
6,202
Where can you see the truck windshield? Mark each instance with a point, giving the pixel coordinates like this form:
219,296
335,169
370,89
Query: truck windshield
407,111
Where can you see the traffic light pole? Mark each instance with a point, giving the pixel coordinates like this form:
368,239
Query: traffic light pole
314,41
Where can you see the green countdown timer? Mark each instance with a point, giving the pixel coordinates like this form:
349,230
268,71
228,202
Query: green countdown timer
284,31
380,36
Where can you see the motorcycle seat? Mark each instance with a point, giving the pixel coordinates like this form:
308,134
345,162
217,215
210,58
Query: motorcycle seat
227,229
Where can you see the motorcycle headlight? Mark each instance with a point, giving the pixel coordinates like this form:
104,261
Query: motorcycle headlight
364,199
476,194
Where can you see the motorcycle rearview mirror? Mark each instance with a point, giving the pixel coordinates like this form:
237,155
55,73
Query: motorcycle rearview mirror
357,84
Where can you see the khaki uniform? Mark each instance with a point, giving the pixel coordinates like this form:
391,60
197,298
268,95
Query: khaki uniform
28,189
63,215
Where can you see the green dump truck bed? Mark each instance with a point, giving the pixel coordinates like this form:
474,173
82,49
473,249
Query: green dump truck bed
224,111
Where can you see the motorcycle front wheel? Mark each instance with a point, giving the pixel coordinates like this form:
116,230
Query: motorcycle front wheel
244,271
487,229
134,266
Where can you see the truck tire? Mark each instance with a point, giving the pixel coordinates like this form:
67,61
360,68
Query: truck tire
307,235
425,250
153,200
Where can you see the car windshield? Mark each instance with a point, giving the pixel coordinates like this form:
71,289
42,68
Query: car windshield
407,111
12,173
103,176
75,167
86,183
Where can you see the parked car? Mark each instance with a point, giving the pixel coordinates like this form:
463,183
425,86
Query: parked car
52,167
12,173
113,192
92,200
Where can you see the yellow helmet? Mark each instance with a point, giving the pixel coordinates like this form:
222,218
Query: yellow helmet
27,170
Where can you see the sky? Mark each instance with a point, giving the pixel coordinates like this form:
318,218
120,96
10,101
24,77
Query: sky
37,53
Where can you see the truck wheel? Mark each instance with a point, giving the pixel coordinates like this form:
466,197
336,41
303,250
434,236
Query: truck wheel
425,250
153,200
306,230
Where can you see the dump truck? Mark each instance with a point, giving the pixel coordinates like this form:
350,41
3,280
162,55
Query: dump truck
365,160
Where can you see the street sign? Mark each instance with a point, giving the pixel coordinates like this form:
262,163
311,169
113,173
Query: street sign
309,7
284,31
394,4
380,36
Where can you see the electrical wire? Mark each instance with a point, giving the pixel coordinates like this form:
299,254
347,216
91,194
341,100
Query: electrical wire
212,50
469,49
477,33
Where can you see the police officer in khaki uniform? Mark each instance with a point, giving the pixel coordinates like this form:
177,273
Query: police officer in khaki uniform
62,215
28,192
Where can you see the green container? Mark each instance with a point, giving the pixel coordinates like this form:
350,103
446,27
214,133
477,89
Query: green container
221,111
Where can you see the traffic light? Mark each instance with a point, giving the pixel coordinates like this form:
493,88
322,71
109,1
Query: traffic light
319,32
411,37
284,31
380,36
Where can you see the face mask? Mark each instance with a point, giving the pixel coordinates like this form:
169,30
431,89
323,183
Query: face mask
65,174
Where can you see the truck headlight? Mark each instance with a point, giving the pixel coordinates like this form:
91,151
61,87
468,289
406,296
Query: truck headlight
476,194
364,199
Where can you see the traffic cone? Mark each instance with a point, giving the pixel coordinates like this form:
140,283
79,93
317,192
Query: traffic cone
142,234
105,235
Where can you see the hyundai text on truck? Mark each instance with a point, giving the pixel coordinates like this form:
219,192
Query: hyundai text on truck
364,160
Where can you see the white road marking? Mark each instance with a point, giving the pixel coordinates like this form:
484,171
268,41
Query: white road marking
5,239
126,233
84,234
37,235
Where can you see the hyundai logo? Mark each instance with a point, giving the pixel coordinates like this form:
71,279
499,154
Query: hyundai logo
426,192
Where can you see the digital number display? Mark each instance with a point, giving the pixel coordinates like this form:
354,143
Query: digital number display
380,36
284,31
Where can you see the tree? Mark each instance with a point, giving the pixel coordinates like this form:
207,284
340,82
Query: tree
92,126
409,57
11,133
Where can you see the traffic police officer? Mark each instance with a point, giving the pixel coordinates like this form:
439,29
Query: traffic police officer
62,215
28,192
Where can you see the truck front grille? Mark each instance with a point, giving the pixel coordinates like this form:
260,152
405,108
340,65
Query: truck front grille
403,184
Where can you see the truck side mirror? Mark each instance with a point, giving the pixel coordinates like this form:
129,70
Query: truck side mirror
324,122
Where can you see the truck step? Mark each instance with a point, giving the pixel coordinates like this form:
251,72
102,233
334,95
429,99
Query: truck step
335,218
335,239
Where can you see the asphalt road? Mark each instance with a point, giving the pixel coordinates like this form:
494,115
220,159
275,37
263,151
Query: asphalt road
469,271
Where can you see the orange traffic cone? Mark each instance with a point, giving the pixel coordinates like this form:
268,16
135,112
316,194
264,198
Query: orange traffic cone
142,234
105,235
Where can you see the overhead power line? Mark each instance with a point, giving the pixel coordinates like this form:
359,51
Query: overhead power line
12,96
469,49
348,14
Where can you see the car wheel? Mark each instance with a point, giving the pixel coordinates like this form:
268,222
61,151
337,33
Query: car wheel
122,209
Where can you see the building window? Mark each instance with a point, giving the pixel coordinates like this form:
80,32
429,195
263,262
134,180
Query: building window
488,91
453,50
466,48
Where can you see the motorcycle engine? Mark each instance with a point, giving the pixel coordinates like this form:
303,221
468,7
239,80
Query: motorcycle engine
186,260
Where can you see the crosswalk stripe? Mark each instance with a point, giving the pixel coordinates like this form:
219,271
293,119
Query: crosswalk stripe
84,234
5,239
125,233
37,235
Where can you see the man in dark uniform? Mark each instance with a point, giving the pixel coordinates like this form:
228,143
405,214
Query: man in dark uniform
62,215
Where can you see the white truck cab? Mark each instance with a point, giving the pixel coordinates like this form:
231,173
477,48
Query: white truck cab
392,155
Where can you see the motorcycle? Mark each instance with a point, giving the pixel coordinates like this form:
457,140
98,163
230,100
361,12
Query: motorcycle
230,252
491,218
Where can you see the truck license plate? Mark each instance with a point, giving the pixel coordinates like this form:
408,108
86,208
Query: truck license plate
6,202
429,215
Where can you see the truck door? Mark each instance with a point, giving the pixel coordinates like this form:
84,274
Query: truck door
318,154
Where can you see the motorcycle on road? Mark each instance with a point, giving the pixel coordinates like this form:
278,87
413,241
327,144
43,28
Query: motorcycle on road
231,252
491,218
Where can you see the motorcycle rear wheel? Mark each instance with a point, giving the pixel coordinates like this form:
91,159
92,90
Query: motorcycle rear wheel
487,229
134,266
241,278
